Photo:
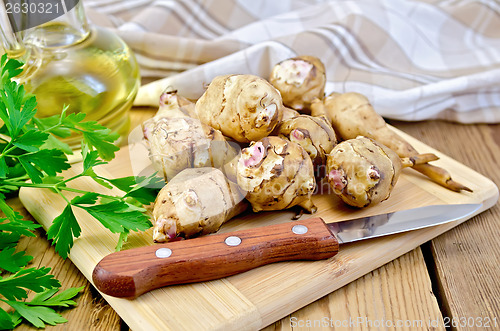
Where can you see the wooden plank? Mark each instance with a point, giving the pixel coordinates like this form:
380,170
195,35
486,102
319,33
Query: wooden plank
396,296
466,258
260,297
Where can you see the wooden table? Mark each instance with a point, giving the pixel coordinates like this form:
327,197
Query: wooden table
451,280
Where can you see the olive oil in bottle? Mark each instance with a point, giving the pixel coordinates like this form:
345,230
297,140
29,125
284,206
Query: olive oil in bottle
88,69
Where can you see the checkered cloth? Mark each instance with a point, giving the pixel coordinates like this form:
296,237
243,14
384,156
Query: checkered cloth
414,60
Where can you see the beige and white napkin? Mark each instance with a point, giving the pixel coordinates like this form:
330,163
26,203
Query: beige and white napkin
414,60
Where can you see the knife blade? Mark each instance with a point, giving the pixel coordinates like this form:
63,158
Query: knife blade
135,271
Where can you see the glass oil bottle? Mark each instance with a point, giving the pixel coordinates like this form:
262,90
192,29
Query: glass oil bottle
71,63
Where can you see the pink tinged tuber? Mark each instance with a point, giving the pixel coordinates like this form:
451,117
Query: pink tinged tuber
276,174
298,134
300,80
337,180
363,172
164,230
253,155
314,134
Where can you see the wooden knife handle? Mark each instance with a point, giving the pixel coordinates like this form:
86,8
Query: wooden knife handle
132,272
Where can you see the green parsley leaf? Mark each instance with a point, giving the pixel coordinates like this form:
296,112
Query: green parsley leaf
9,239
15,223
31,140
10,69
22,227
102,140
122,240
16,318
15,172
3,167
6,320
61,299
14,286
19,119
118,216
90,160
53,180
18,114
88,198
143,189
94,134
12,261
51,161
37,315
63,229
54,124
54,143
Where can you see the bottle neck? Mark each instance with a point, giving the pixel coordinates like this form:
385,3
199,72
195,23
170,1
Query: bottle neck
66,30
10,40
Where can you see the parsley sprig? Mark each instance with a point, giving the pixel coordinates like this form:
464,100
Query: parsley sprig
32,155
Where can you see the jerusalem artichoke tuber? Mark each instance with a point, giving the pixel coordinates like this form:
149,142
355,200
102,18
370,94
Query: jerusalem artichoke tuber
177,142
314,134
300,80
277,174
195,202
244,107
351,115
363,172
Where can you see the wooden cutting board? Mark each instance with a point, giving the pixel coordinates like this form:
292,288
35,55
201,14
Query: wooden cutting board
257,298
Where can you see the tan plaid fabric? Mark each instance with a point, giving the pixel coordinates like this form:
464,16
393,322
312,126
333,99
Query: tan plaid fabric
413,59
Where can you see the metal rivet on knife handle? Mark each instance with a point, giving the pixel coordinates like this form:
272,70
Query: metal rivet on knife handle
163,252
299,229
233,241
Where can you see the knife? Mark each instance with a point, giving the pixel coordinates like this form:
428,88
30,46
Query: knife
132,272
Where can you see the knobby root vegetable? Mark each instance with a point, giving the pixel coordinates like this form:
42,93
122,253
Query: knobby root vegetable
276,174
195,202
170,105
289,113
363,172
314,134
351,115
243,107
177,142
300,80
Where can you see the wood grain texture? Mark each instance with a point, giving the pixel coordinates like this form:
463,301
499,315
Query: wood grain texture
396,296
466,258
261,296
